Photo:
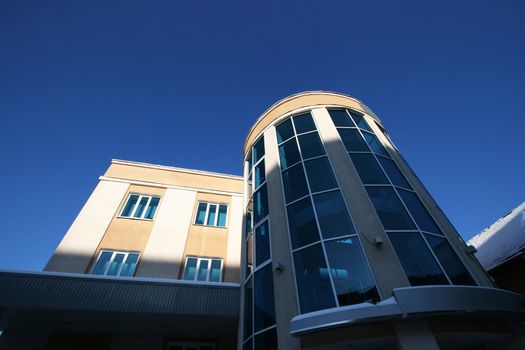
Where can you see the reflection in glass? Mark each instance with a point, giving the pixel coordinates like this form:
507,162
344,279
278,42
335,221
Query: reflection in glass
264,305
375,144
303,123
215,272
203,270
259,175
340,117
360,121
393,172
391,212
141,207
102,263
294,183
262,243
211,215
332,215
260,203
289,153
284,130
191,269
352,278
353,140
368,169
320,175
313,282
301,222
152,208
419,212
114,267
258,150
129,265
420,266
130,205
201,213
223,210
311,145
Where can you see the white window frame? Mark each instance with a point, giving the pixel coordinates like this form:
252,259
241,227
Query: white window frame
198,267
216,221
132,214
115,252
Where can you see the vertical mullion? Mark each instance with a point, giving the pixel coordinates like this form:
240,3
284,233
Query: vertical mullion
135,207
109,264
146,207
206,213
197,269
123,262
216,214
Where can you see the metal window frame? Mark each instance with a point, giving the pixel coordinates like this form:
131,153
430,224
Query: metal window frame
113,255
136,205
207,214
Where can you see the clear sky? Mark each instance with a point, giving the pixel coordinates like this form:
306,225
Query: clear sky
180,83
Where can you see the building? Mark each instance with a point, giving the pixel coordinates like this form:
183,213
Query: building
328,241
501,250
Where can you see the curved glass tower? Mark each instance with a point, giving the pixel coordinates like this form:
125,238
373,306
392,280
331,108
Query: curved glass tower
340,234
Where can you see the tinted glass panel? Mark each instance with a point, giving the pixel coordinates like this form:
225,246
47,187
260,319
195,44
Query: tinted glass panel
258,150
102,263
129,265
301,221
417,261
115,265
391,212
201,214
340,117
248,345
262,243
303,123
260,204
311,145
128,209
212,213
266,340
190,269
223,211
360,121
313,282
320,175
393,172
454,268
249,223
248,297
353,140
284,130
203,270
332,215
141,207
264,306
294,183
368,168
215,273
259,175
152,208
249,255
289,153
352,278
375,144
418,211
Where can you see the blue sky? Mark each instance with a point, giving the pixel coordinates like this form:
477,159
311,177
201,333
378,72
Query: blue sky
82,82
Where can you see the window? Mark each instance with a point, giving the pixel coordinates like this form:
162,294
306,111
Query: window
203,269
211,214
140,207
112,263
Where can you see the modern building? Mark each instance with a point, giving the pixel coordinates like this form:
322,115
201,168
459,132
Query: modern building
328,241
501,250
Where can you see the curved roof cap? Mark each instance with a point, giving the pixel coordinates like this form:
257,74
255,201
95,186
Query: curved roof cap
303,99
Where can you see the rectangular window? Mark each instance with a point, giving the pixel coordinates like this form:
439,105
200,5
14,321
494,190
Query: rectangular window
112,263
203,269
140,207
211,214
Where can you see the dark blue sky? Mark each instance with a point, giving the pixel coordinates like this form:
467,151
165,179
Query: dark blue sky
181,82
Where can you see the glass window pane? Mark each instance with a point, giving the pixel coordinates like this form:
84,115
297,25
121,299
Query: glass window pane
419,212
264,306
249,222
202,274
248,298
417,261
340,117
332,215
259,175
114,267
152,208
102,263
284,130
129,265
215,273
301,221
262,243
391,212
375,144
141,207
393,172
249,255
289,153
266,340
258,150
303,123
260,204
223,210
353,140
313,282
454,268
294,183
352,278
320,175
368,169
360,121
247,345
190,269
201,213
128,209
311,145
212,213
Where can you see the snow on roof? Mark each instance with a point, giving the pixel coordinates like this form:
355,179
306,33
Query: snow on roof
502,240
